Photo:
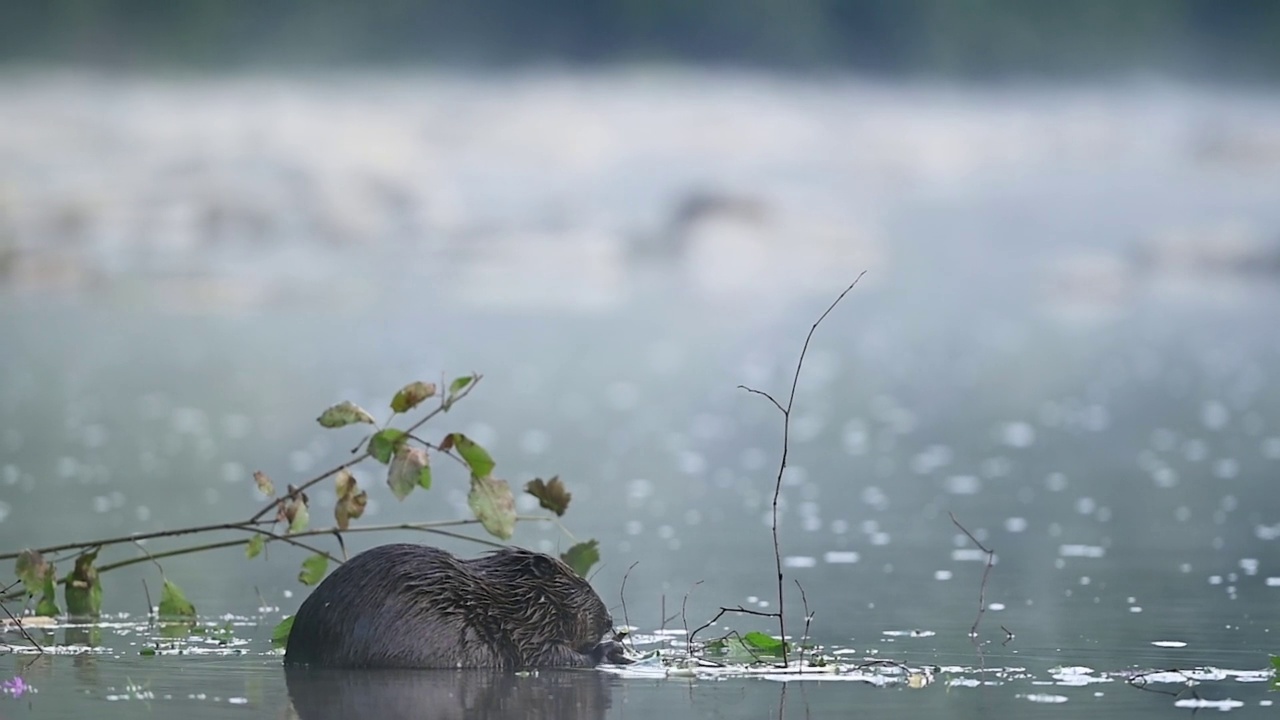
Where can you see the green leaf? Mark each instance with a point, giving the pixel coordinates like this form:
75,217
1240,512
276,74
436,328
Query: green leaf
476,457
762,643
459,384
737,650
551,494
411,395
254,549
31,568
175,630
173,604
1275,662
424,478
147,652
344,413
48,606
313,569
582,556
494,506
83,589
405,471
265,486
280,635
384,444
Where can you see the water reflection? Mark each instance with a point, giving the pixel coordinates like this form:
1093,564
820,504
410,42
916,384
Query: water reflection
323,694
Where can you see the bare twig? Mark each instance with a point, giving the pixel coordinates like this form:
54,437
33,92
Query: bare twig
741,611
883,663
291,541
439,450
1140,681
786,441
434,527
146,592
134,538
23,629
765,395
342,544
684,618
986,572
808,620
622,592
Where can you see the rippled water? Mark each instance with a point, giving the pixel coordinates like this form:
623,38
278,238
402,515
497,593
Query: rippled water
1035,349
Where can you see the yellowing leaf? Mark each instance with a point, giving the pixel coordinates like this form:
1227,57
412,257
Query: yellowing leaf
494,506
83,589
265,486
405,470
344,413
31,568
254,548
301,517
551,494
411,395
344,483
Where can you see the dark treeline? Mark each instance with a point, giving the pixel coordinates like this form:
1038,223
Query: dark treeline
974,38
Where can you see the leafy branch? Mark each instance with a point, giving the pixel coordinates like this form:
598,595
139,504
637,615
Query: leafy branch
286,517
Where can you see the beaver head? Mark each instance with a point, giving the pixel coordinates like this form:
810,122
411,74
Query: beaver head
551,600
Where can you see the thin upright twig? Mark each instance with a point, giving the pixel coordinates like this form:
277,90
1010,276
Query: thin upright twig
808,620
622,592
786,442
986,572
684,618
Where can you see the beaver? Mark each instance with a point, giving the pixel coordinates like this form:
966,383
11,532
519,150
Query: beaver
414,606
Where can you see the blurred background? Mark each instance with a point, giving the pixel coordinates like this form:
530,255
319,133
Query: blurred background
218,218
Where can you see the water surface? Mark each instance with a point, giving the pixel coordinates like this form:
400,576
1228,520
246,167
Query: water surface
195,270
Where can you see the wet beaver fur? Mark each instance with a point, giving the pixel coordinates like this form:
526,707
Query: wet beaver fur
414,606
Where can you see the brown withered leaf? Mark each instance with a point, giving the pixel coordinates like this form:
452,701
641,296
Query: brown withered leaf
351,499
551,494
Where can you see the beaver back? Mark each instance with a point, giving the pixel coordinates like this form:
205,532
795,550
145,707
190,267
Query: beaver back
405,605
